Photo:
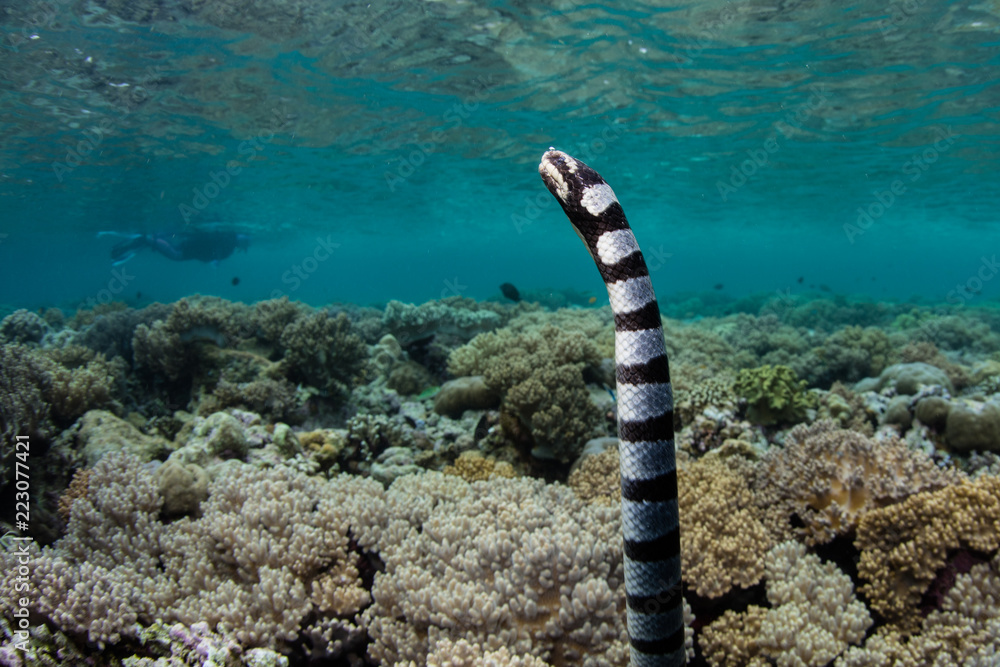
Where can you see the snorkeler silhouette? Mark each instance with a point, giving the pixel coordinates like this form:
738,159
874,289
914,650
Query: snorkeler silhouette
208,246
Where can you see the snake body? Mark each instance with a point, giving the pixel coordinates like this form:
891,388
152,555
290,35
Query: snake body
650,525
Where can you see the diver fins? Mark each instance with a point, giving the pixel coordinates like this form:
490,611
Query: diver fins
121,259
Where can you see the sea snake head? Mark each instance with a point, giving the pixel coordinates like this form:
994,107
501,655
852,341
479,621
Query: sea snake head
589,202
596,216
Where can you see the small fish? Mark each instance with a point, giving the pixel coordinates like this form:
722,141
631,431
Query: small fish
592,300
510,292
801,278
718,286
236,280
138,295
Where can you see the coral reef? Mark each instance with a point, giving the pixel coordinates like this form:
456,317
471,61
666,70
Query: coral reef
904,545
323,351
539,374
814,615
200,523
828,477
774,395
259,560
509,563
723,538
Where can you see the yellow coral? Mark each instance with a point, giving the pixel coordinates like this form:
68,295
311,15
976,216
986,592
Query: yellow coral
965,631
723,540
902,546
731,639
473,467
597,479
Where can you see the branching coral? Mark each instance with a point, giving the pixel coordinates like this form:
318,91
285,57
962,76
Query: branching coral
273,315
473,467
171,347
504,563
723,539
323,351
903,545
597,479
539,374
814,614
774,395
23,408
731,639
964,631
97,383
851,354
716,391
272,552
829,477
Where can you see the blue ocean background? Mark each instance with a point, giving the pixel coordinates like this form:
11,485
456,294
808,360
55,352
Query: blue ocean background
402,139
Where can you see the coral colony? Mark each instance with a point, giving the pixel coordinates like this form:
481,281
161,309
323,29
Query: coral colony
270,484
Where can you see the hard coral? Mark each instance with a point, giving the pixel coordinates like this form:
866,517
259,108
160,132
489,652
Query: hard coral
246,567
903,545
597,479
814,614
731,639
964,631
851,354
539,375
506,562
23,408
322,350
829,477
473,467
172,347
723,538
774,395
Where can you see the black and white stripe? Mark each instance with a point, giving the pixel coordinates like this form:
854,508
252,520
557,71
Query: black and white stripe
650,525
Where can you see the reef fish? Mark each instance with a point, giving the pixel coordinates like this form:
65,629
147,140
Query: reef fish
510,292
650,523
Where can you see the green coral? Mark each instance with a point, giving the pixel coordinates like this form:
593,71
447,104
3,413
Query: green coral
774,395
539,374
323,351
851,354
175,347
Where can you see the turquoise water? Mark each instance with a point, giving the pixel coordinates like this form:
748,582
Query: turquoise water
407,134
